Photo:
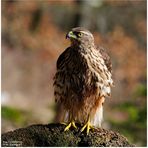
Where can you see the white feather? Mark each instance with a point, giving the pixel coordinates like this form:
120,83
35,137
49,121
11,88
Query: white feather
106,90
66,116
97,119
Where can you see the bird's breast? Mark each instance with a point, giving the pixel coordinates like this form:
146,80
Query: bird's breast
97,75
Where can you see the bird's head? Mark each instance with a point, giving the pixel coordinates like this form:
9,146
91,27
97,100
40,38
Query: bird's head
80,35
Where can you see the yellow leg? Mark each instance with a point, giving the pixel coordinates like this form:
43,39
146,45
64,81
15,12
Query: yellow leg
72,123
63,123
88,126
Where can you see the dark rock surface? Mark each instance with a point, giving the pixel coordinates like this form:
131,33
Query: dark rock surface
54,135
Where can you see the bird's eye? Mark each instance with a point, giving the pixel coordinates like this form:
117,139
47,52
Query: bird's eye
80,34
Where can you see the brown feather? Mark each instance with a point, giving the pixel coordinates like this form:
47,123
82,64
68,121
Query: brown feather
105,57
83,77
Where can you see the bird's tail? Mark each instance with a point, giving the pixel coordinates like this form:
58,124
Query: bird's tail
97,116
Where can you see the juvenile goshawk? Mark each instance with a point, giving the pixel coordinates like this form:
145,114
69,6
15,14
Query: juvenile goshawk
83,80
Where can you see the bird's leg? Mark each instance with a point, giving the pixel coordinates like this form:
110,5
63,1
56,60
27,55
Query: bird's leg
72,123
88,126
63,123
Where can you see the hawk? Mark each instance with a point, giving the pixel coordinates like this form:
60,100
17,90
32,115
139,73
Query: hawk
83,80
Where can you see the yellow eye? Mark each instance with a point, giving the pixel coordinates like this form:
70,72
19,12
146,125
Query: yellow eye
80,34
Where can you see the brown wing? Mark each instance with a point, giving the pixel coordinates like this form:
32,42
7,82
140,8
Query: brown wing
105,57
62,60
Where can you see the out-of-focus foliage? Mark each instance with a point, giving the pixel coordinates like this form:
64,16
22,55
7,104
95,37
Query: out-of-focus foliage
135,122
15,118
140,90
33,36
12,114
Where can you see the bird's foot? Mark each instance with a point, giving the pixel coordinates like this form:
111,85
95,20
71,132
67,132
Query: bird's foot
88,126
72,123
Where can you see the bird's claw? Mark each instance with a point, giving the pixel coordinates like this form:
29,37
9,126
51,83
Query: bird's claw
72,123
88,126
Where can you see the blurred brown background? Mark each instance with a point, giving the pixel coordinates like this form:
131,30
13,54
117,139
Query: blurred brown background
33,36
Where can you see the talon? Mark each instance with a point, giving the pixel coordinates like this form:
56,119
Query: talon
72,123
67,127
88,126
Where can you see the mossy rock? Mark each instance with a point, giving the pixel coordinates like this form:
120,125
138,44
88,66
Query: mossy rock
54,135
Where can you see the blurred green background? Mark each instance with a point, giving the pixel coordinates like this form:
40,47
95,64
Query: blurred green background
33,36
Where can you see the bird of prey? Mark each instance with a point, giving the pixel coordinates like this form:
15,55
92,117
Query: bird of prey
82,81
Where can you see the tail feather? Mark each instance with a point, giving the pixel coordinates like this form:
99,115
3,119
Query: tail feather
98,117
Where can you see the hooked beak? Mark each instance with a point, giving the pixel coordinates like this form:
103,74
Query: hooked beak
70,35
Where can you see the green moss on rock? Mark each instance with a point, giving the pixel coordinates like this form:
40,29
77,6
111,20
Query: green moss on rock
54,135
